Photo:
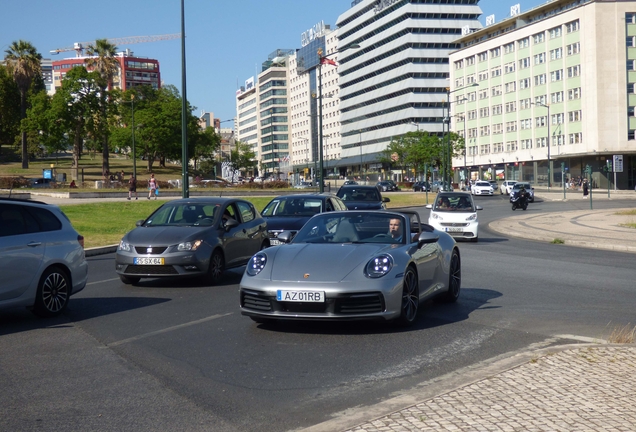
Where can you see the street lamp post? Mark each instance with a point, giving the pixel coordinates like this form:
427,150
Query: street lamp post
184,103
447,151
547,139
322,59
360,144
134,155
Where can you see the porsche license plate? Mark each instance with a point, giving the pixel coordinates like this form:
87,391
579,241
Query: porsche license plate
300,296
454,230
148,261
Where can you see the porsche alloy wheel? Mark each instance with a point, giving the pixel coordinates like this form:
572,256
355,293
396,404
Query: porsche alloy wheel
216,267
454,278
410,298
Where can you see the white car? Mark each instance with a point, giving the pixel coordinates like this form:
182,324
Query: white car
481,188
506,187
456,214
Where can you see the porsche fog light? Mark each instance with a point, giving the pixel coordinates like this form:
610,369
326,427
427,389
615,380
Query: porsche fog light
189,246
256,264
379,266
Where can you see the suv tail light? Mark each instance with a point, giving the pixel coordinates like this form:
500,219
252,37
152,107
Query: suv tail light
80,240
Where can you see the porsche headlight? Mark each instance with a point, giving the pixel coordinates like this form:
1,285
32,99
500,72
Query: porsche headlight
189,246
472,217
379,266
256,264
125,246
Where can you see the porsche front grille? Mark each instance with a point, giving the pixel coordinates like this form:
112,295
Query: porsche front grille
345,304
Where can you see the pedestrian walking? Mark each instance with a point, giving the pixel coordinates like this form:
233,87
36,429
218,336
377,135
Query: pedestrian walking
132,187
585,188
152,185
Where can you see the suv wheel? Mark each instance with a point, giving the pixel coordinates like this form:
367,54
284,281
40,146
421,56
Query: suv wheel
54,291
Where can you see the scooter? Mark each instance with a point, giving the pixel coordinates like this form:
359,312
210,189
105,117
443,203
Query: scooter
519,200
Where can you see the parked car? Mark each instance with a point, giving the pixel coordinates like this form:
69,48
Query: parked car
506,186
41,182
439,186
346,266
290,212
481,187
421,186
456,214
350,182
494,185
42,260
192,237
527,186
387,186
302,185
362,197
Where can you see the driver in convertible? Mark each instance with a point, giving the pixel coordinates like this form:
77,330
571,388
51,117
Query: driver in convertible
395,229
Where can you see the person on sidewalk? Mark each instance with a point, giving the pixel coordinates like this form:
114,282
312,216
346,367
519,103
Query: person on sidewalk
585,188
152,185
132,187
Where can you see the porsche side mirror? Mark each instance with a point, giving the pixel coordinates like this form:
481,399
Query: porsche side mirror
427,238
285,236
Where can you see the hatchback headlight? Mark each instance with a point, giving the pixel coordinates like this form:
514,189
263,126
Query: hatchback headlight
189,246
125,246
436,216
256,264
379,266
472,217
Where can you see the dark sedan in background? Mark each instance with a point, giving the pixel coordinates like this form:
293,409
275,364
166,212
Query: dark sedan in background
387,186
192,237
362,198
421,186
291,212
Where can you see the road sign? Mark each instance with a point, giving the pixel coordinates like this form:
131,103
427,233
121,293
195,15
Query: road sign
618,163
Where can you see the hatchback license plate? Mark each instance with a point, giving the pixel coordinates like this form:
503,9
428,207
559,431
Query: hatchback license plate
454,230
148,261
300,296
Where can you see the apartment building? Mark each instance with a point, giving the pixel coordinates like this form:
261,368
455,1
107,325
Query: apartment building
545,93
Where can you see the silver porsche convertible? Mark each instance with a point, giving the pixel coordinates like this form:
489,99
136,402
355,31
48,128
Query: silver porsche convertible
350,265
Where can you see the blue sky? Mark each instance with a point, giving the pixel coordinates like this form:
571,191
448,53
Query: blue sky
226,40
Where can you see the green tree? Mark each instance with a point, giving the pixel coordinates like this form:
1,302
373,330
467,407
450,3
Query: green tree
203,144
9,108
242,157
101,59
23,63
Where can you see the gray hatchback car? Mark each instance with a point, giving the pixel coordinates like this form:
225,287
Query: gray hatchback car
192,237
42,259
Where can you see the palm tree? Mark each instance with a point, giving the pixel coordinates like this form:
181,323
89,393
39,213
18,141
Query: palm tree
23,62
101,58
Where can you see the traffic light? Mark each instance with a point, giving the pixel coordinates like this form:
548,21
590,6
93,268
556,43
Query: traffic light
588,169
609,165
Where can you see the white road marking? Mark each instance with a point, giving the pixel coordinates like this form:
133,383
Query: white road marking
101,281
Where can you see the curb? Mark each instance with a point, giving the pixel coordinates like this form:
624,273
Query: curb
102,250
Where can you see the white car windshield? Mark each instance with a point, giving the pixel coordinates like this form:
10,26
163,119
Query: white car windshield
453,203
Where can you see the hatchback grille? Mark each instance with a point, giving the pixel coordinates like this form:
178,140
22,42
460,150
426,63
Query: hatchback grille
150,269
454,224
155,250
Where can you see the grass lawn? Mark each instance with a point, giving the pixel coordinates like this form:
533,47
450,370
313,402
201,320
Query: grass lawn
104,224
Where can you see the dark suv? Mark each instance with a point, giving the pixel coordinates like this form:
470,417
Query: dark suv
358,197
387,186
42,260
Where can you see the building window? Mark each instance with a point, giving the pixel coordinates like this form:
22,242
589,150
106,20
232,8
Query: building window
574,93
630,88
497,128
495,52
510,87
495,72
541,121
556,97
496,109
497,147
484,131
482,57
524,83
572,26
526,144
459,64
556,54
541,142
539,79
574,71
540,100
511,146
511,107
524,104
525,124
511,126
574,116
556,75
472,115
496,91
555,32
524,63
557,119
483,112
482,76
523,43
538,38
574,48
472,133
459,82
509,48
484,149
576,138
470,79
470,61
508,68
539,58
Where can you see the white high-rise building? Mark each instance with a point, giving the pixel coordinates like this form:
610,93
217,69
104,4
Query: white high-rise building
396,81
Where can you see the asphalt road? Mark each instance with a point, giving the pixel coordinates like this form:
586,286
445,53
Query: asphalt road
166,356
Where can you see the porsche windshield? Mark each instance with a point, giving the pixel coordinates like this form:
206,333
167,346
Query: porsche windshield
353,228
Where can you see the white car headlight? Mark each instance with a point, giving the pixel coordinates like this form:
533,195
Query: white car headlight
125,246
189,246
472,217
256,264
379,266
436,216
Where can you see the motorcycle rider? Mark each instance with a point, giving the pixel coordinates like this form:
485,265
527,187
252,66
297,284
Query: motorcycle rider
522,196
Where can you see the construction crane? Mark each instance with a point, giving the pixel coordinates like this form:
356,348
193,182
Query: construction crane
79,47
